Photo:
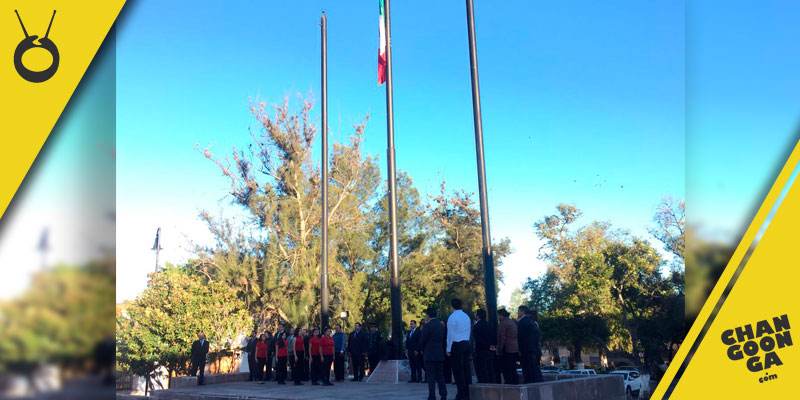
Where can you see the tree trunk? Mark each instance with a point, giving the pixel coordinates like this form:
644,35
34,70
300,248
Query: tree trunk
577,353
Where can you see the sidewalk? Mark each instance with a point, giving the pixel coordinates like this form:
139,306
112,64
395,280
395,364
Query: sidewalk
271,390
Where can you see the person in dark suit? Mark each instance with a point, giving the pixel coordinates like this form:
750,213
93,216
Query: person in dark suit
199,352
446,367
339,347
357,347
271,356
413,352
250,348
485,347
432,344
374,347
530,349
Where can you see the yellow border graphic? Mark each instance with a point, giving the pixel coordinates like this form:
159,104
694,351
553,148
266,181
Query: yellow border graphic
758,284
29,110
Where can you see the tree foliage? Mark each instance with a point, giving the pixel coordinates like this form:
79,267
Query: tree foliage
61,318
604,288
158,328
273,260
670,226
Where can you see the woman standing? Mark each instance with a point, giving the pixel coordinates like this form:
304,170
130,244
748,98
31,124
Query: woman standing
326,348
261,357
316,356
281,352
298,352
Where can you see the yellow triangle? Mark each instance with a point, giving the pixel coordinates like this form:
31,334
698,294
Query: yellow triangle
766,288
28,110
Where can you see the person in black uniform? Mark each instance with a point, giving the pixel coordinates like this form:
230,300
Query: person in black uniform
432,342
199,352
339,348
271,355
448,372
413,352
485,347
357,347
374,347
250,348
530,349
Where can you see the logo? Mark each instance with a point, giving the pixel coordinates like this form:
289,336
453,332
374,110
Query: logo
30,42
763,342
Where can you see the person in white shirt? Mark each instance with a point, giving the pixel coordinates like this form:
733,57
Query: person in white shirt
459,349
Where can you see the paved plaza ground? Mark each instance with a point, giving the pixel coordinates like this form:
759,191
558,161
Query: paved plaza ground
271,390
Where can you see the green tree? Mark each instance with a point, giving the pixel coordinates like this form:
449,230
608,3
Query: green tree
455,262
670,226
412,240
158,328
272,260
603,287
60,319
276,267
518,298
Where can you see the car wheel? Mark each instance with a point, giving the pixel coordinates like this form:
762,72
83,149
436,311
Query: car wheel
628,393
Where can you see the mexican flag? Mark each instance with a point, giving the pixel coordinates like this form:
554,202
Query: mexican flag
381,45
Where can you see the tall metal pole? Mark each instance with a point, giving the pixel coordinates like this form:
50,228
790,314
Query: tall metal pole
394,293
324,224
488,256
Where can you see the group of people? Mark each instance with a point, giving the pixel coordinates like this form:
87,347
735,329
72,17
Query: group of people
445,349
442,349
308,356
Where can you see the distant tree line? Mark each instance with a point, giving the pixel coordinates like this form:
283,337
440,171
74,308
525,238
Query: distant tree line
606,289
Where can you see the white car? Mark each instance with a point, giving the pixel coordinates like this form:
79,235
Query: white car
631,381
552,369
585,371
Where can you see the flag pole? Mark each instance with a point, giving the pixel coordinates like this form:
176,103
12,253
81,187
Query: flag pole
324,222
488,256
157,245
394,293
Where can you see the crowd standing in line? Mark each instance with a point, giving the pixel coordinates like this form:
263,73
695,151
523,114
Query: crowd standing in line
445,351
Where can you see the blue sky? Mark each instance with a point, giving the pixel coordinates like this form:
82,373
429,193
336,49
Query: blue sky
742,80
583,102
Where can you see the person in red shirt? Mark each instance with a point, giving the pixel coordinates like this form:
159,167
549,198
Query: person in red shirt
261,356
298,352
326,348
316,356
281,353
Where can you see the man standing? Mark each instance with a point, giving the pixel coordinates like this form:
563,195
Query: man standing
199,351
272,347
339,343
250,348
459,348
374,347
507,347
529,347
357,346
485,347
431,343
412,352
